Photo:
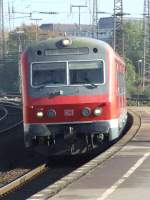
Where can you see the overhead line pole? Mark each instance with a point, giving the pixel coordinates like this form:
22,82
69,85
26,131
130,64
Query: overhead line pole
118,35
79,7
94,19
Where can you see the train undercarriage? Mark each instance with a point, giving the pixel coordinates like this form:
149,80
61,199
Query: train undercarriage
70,139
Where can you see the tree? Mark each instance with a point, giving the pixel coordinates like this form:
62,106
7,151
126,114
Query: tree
134,41
133,53
130,77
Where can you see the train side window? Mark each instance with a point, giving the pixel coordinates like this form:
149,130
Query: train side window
121,83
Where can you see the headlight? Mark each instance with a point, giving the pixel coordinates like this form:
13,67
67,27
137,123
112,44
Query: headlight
66,42
51,113
40,114
86,112
97,111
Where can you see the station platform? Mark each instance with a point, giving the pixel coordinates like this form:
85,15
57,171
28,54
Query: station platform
124,176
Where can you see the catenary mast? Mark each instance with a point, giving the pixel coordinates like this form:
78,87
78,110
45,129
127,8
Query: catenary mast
118,36
95,19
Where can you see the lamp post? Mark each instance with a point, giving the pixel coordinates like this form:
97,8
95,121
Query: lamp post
140,71
139,81
79,7
98,22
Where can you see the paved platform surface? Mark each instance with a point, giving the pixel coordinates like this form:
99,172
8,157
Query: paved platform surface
125,176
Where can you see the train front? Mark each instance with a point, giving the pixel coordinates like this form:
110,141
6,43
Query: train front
65,95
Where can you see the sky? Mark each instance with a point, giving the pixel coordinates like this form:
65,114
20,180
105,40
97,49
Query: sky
64,12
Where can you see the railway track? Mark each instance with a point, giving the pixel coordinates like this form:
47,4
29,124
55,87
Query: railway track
3,113
56,175
11,117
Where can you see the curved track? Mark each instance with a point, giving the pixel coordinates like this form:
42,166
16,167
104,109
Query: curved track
11,117
75,171
3,113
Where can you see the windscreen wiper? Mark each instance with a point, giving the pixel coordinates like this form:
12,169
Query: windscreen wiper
91,85
44,84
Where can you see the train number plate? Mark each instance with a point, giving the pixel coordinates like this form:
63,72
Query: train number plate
69,112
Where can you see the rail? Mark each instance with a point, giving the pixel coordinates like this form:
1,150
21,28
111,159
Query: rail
4,113
63,182
11,119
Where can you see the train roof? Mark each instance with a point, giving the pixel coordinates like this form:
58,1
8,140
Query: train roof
76,42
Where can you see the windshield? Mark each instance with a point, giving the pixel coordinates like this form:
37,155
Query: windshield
49,73
67,73
86,72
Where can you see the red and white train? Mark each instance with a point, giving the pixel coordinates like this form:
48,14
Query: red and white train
73,94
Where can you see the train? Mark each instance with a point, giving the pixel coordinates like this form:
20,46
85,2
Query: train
74,95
